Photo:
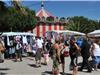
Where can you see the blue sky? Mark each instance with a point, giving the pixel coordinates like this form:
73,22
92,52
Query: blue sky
89,9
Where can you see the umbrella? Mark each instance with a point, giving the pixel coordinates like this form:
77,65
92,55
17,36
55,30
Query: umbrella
94,33
68,32
9,34
17,34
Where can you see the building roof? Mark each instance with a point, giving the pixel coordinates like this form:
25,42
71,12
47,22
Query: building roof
42,12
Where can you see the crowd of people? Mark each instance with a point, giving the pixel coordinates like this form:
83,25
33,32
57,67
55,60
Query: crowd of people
15,46
57,50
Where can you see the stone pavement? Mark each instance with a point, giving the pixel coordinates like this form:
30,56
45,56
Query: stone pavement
27,67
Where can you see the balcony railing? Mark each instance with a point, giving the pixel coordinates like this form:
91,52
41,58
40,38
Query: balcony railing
51,19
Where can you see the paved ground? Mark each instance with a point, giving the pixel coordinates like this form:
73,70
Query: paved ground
27,67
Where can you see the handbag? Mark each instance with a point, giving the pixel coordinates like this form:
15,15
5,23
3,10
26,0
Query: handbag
2,48
66,52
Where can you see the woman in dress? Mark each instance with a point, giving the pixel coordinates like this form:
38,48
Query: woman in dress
56,58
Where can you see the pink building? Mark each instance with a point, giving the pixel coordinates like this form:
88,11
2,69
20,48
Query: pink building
43,25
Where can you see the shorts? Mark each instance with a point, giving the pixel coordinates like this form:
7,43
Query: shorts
96,59
38,54
74,59
19,53
62,58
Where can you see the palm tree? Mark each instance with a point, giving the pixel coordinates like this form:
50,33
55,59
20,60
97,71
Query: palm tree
18,7
79,23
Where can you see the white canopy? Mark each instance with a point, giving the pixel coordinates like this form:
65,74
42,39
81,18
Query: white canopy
94,33
17,33
68,32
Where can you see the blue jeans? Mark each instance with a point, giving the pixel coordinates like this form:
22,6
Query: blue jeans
96,59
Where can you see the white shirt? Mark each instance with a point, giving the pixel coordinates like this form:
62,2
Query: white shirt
96,50
18,46
39,43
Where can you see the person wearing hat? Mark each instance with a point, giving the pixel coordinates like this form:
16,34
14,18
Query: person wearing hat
18,50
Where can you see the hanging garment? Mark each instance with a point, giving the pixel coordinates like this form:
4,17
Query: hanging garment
24,40
8,42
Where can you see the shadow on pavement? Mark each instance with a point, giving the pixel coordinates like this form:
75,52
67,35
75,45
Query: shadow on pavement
3,73
32,65
43,64
68,74
4,69
65,73
13,60
47,73
16,60
50,73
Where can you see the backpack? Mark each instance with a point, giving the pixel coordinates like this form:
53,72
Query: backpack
79,42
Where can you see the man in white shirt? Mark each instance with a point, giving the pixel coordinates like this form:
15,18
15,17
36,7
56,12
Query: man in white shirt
38,56
39,43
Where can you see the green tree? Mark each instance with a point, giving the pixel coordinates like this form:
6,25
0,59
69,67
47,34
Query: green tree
81,24
3,11
20,22
14,20
17,5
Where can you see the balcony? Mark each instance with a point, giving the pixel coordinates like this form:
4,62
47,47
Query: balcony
51,19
